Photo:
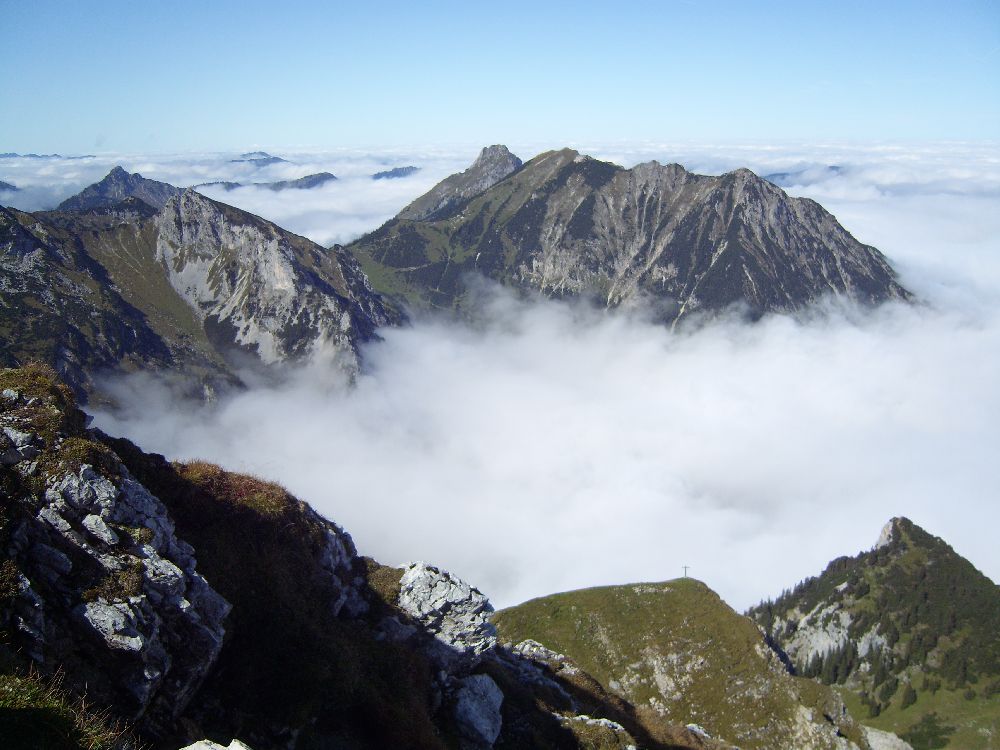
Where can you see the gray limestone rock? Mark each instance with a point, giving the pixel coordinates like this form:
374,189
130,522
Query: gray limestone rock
209,745
452,611
477,710
155,625
880,740
99,529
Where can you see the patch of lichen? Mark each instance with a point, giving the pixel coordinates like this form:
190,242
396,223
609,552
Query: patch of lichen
119,585
138,534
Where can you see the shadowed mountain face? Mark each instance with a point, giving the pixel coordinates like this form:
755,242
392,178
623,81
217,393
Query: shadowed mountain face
115,187
906,631
568,225
192,288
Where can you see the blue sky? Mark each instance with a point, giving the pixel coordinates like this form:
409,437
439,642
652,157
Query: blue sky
83,77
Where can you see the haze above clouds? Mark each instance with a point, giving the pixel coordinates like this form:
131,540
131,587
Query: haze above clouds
555,447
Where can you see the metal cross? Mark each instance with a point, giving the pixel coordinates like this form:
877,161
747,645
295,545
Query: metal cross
685,570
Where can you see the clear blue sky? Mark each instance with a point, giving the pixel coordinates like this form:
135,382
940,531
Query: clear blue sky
162,76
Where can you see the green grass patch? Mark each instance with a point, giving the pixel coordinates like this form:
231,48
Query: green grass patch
36,714
120,585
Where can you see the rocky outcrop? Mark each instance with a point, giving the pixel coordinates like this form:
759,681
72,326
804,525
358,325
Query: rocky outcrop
477,710
566,225
449,609
105,589
494,163
117,186
880,740
209,745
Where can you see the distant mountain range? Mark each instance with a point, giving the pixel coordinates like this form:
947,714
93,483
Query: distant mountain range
567,225
302,183
395,172
806,174
6,186
12,155
179,282
258,159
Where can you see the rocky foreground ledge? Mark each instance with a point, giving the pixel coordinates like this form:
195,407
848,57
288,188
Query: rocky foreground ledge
196,604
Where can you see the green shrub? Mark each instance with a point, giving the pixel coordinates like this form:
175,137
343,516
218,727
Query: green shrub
908,698
118,586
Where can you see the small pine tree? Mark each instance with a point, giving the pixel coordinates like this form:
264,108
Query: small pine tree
909,697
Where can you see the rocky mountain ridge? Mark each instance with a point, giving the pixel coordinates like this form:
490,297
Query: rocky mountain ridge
493,164
567,225
193,288
302,183
116,186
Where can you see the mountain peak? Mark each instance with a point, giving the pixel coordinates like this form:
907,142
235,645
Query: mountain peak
889,533
494,163
910,621
115,187
567,225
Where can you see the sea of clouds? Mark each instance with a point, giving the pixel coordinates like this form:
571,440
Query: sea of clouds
549,446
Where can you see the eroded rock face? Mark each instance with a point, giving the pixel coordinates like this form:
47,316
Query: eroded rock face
106,590
449,609
209,745
258,287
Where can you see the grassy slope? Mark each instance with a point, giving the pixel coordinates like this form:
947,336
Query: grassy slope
637,640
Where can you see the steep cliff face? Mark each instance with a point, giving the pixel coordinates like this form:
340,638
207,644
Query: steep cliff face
180,289
57,306
261,288
568,225
906,631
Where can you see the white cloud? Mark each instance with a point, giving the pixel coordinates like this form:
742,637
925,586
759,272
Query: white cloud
555,447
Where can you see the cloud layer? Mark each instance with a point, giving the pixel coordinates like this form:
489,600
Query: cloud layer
552,447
